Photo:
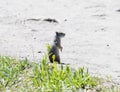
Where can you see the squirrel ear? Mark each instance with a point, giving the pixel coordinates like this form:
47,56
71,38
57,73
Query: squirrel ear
56,33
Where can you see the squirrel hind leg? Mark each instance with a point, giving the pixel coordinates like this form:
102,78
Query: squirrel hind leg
50,59
57,59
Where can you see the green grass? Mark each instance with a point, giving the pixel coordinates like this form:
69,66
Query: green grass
41,77
25,76
54,78
10,70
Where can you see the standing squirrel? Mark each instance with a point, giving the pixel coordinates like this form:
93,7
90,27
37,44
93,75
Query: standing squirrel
54,51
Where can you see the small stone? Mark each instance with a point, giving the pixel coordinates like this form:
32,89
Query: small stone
39,52
34,30
65,20
118,10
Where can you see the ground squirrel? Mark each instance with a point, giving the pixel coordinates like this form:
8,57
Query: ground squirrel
55,47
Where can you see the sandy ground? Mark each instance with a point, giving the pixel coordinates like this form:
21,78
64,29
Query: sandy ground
92,30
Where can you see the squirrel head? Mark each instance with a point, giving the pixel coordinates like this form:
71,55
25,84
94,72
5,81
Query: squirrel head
60,34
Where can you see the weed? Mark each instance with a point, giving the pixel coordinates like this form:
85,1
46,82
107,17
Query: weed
9,71
58,78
